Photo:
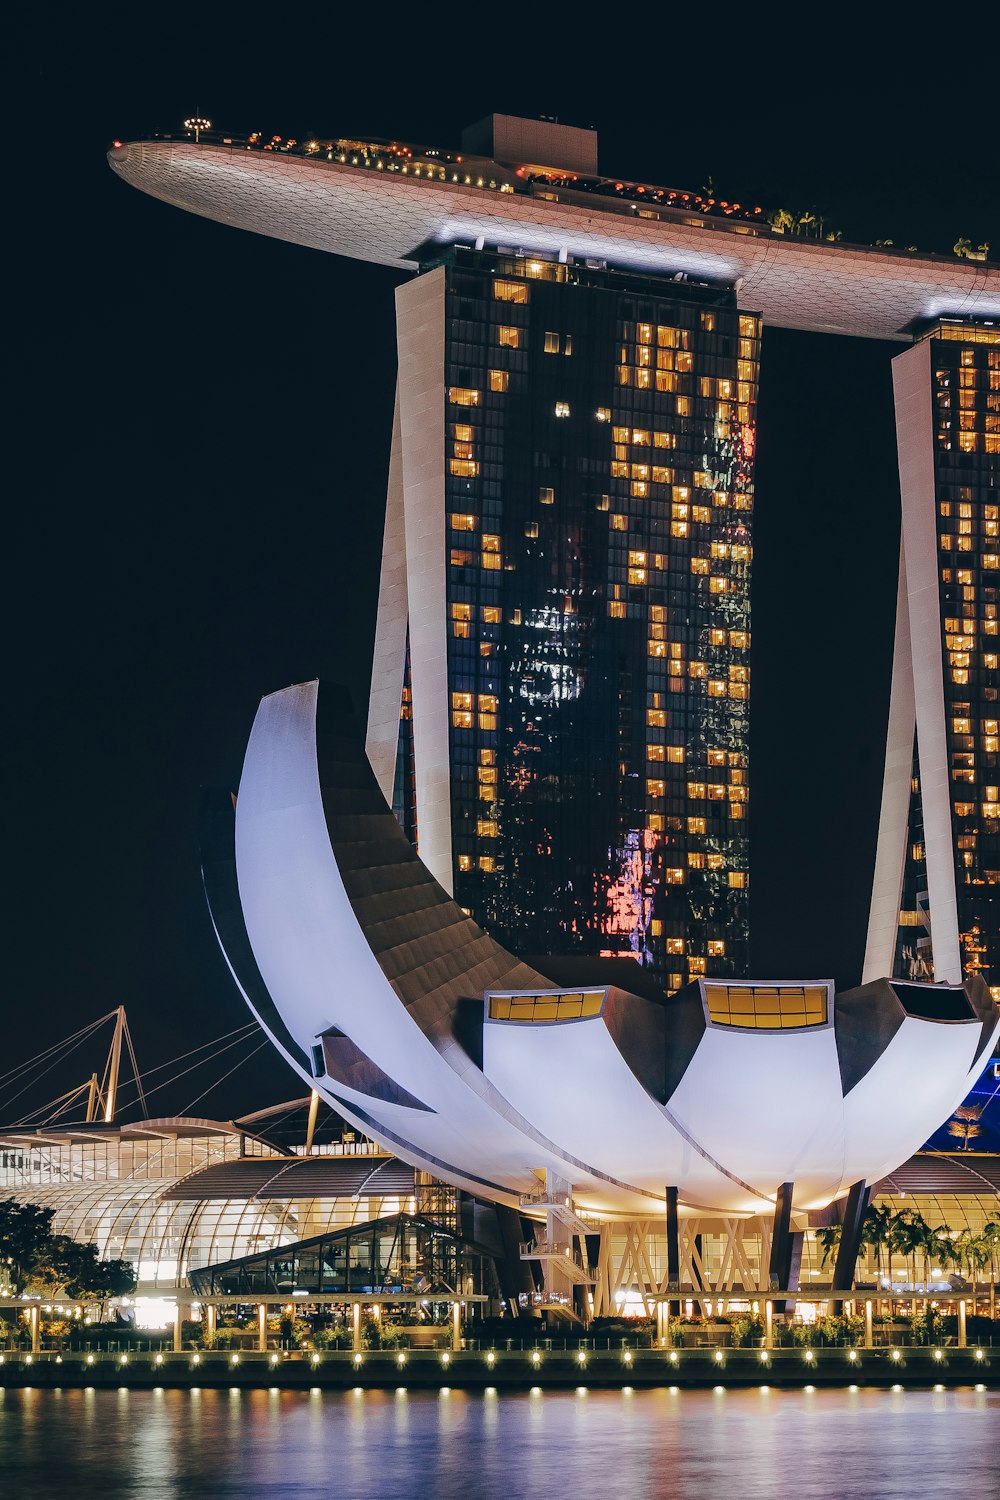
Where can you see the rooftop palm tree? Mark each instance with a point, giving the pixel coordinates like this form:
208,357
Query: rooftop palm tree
964,1125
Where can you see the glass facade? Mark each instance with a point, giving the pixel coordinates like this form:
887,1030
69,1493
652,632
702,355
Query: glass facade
965,364
114,1193
600,433
404,1254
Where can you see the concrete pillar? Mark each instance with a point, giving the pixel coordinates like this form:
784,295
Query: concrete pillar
209,1320
850,1240
356,1327
673,1249
456,1326
869,1331
768,1324
262,1327
663,1324
178,1328
35,1324
962,1330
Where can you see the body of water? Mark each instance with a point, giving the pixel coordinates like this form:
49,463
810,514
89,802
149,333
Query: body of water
395,1445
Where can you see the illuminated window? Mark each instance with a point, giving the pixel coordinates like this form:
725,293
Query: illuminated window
562,409
487,828
603,414
510,291
619,522
460,558
460,395
492,614
499,380
510,338
546,496
767,1007
531,529
463,523
556,1006
551,343
487,863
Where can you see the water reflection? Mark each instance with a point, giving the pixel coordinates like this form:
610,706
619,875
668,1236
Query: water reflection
399,1444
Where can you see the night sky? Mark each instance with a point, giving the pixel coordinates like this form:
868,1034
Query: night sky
200,430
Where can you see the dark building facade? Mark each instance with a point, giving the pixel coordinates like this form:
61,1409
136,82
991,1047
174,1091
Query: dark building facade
599,434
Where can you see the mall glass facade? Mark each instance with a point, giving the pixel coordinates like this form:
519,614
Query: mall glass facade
600,433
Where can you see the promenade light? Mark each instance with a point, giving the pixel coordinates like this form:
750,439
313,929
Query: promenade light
357,1359
491,1359
808,1356
895,1355
274,1359
90,1359
627,1356
938,1354
979,1354
196,1359
315,1359
446,1359
582,1357
536,1358
234,1359
852,1355
158,1360
764,1356
401,1360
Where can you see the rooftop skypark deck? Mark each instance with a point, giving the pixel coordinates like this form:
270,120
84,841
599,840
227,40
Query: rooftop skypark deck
397,204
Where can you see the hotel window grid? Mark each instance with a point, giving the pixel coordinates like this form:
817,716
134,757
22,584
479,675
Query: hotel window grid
598,595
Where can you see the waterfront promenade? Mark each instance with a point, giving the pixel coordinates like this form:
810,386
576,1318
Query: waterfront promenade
511,1369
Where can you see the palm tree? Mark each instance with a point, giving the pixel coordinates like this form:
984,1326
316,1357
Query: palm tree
975,1251
906,1234
829,1238
964,1126
875,1232
936,1245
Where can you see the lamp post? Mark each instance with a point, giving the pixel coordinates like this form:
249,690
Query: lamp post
197,123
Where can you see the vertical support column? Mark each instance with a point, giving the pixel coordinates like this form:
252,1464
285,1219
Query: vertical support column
356,1327
963,1337
768,1324
178,1328
673,1251
662,1323
913,395
386,695
420,343
35,1326
850,1241
262,1327
208,1318
780,1265
869,1330
456,1326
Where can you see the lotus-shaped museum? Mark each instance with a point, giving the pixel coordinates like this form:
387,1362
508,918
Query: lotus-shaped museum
493,1073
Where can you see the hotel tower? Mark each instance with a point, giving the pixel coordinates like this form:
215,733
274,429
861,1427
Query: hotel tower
560,693
561,679
936,899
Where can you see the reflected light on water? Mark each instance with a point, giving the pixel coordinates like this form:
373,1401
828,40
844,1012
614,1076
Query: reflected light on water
395,1444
